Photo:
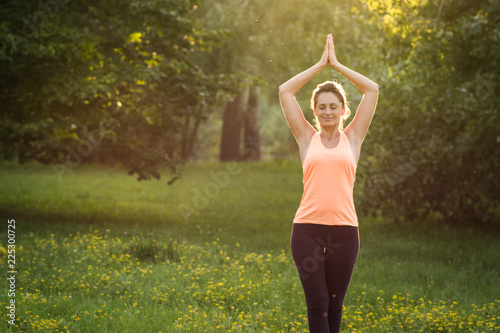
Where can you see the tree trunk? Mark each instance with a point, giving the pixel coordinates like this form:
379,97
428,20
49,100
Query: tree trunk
231,127
189,137
252,122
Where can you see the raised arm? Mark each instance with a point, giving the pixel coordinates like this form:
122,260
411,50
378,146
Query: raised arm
301,129
357,129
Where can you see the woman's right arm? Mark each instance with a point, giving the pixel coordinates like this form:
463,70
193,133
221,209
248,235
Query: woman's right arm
301,129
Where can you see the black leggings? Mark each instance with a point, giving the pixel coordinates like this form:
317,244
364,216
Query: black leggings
325,257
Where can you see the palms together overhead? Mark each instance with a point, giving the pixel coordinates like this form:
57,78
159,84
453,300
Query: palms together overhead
300,127
332,57
329,57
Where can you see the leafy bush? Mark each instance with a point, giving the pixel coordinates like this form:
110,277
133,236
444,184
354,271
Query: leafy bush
433,147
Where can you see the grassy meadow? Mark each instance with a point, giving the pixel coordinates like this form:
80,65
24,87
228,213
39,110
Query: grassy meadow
98,251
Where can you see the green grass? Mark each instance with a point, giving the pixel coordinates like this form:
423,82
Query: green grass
98,251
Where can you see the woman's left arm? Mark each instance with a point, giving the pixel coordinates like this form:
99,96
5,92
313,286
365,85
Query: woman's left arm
357,129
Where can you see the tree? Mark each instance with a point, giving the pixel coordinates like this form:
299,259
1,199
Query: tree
272,41
233,120
252,123
116,80
435,147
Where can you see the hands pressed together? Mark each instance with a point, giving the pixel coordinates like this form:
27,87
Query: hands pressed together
329,57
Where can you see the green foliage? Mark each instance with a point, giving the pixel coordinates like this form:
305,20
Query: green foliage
109,80
432,150
274,40
433,147
131,83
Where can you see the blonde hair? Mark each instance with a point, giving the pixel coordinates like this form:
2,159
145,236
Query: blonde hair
337,89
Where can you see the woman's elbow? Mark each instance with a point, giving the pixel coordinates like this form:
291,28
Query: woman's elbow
372,90
284,90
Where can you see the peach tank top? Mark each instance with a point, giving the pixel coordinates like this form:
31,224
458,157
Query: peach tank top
329,176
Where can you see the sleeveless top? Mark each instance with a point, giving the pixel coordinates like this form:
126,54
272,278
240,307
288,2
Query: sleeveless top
329,176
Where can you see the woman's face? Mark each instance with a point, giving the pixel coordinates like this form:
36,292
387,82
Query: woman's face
329,109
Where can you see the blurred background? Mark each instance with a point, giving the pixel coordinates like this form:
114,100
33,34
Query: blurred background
182,95
151,85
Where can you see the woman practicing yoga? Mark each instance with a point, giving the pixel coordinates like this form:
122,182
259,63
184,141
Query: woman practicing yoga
325,239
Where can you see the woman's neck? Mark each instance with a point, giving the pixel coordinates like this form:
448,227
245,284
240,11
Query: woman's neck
330,132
